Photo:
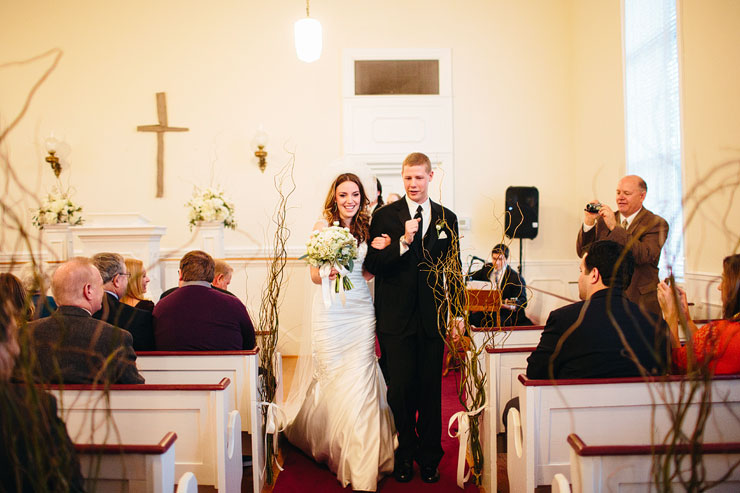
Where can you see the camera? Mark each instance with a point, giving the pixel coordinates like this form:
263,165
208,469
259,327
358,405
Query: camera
593,208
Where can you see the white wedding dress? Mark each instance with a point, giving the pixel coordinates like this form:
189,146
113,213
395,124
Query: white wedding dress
344,419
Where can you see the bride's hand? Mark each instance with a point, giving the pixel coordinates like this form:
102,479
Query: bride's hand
333,274
380,242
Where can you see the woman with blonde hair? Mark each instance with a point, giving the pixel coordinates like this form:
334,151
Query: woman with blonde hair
137,284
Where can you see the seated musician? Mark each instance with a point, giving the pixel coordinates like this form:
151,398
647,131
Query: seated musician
513,291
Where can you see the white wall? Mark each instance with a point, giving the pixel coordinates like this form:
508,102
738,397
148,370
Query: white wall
537,100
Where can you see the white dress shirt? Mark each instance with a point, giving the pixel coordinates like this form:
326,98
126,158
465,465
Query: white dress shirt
426,217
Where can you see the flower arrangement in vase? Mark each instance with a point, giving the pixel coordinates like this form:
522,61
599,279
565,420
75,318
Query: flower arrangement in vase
58,208
210,205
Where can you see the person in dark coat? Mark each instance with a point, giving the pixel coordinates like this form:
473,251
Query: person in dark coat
604,336
408,304
513,291
36,453
139,323
197,317
71,346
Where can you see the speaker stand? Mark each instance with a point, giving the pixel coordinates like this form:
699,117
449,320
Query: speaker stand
520,257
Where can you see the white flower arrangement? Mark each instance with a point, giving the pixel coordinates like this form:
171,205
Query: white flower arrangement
210,205
58,208
333,246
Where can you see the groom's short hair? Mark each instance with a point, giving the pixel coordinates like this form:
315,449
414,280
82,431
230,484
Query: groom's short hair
197,266
418,159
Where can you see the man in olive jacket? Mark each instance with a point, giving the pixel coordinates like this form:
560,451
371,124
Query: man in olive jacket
73,347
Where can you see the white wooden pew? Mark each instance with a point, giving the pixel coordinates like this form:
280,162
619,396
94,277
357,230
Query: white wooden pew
616,411
505,337
503,366
606,468
241,367
203,416
142,468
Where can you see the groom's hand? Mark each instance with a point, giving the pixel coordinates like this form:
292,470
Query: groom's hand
412,226
458,329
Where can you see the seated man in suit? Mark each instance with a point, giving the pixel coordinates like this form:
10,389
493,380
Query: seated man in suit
513,291
604,336
115,276
221,279
70,345
197,317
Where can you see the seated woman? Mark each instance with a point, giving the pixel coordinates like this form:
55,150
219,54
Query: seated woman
716,346
36,282
36,453
137,284
13,293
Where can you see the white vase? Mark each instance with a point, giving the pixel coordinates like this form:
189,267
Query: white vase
210,237
57,242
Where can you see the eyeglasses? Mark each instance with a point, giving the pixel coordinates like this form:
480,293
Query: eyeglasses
127,274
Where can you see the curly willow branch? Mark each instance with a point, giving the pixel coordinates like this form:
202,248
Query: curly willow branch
448,284
270,303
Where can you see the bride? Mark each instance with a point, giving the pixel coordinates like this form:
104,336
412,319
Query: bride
337,410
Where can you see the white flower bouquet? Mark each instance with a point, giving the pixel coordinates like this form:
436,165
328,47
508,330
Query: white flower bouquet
210,205
58,208
333,246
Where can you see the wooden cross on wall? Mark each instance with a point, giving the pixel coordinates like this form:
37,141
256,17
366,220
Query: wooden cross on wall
160,129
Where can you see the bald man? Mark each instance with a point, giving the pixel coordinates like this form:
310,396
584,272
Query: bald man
634,226
72,346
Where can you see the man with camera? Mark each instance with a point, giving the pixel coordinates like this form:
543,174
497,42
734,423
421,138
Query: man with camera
632,226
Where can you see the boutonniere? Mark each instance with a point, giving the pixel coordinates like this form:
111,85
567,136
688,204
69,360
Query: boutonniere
441,233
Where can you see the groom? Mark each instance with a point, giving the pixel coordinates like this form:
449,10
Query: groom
410,309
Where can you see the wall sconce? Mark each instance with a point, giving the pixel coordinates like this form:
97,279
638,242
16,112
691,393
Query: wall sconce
52,144
308,41
260,139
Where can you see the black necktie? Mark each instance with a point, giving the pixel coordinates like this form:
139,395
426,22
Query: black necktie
417,237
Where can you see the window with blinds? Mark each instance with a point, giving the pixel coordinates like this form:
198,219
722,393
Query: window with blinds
652,113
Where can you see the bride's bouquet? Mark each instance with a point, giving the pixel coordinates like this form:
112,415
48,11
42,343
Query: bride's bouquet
335,247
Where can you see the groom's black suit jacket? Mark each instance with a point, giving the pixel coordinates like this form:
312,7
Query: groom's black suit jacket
404,283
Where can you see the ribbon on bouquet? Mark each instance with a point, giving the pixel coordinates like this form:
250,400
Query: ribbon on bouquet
326,284
274,424
463,435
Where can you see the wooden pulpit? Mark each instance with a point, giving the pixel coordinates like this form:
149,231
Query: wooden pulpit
485,300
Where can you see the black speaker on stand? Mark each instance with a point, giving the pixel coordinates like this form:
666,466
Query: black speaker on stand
522,215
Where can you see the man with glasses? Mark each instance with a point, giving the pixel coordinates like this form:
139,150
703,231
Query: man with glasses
115,276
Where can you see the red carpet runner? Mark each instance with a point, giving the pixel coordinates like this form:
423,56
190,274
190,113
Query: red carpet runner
302,474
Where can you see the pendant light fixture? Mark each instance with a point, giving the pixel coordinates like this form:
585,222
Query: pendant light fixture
308,42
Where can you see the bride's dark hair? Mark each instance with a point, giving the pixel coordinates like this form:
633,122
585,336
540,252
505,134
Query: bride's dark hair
360,224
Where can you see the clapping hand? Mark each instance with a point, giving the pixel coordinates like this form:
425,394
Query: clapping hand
411,227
